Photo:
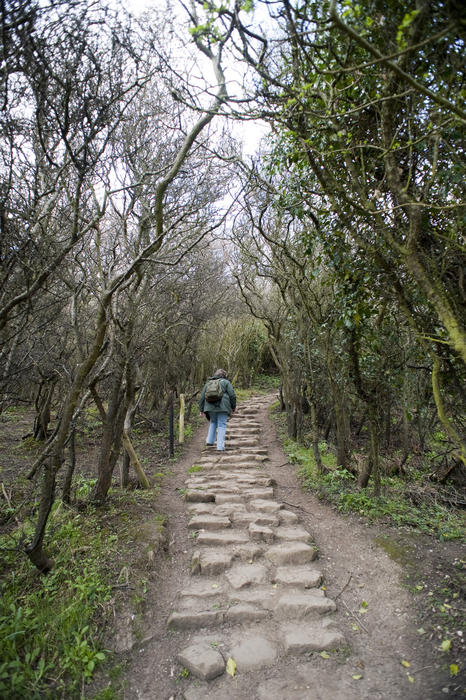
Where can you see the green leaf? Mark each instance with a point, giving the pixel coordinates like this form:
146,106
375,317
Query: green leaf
445,645
454,669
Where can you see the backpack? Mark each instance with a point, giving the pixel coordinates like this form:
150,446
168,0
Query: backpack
213,390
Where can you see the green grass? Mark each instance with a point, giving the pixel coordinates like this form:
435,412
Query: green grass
49,639
339,487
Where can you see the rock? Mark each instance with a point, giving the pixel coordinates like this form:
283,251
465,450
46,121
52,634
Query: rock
260,533
223,538
208,522
293,534
291,553
298,576
222,498
245,612
244,574
300,604
265,506
302,638
287,517
253,651
199,496
202,661
229,508
194,619
214,562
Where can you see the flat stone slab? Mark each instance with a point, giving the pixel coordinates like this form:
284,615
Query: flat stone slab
199,496
265,506
291,553
223,538
293,534
229,508
268,519
208,522
261,533
253,651
211,563
243,519
300,604
300,639
287,517
262,596
248,552
202,661
200,508
203,588
245,612
243,575
298,576
191,620
260,494
221,498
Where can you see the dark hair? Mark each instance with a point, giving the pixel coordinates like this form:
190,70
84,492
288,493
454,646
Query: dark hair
220,373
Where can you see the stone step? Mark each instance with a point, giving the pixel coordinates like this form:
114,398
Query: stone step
298,604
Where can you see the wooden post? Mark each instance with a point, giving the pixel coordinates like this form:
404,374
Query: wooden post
143,480
181,427
171,436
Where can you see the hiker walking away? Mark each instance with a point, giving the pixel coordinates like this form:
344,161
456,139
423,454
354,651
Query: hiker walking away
217,402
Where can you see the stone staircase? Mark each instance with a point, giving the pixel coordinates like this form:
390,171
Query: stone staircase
254,595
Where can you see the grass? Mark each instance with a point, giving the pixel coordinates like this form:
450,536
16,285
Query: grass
49,624
338,486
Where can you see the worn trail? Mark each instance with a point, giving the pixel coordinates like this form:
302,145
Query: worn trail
254,594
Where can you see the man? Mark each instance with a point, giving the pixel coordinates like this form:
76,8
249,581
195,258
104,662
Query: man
217,402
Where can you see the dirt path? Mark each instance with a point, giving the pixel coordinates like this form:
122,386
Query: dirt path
242,581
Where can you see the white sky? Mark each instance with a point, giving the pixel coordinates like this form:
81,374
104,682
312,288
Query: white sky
249,133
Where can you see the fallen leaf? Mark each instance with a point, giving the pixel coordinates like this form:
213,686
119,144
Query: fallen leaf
324,588
357,677
215,585
410,679
355,627
325,655
421,630
406,664
274,585
231,667
454,668
445,645
364,604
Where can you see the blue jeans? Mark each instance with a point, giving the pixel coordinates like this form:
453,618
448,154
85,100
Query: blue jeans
217,426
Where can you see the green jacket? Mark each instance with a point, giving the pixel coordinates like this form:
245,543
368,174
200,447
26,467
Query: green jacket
227,404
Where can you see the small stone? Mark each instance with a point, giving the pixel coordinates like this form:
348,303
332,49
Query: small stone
202,661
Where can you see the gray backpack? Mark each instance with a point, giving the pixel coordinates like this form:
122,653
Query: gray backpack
213,390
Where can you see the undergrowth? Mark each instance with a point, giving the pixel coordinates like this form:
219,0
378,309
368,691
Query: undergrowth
50,644
338,486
